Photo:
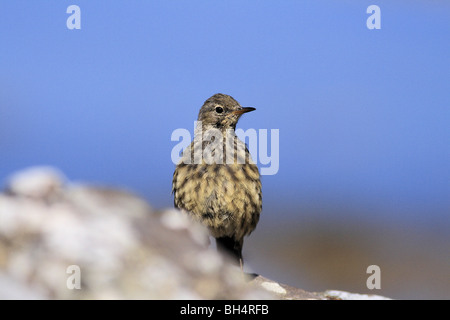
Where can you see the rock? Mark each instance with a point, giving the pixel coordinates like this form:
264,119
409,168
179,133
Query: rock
53,234
344,295
285,292
60,240
36,182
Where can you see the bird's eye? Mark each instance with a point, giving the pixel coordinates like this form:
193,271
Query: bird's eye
219,109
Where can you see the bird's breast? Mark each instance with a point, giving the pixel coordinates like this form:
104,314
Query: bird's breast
218,191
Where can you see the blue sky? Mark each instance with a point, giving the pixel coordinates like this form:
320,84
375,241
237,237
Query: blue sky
363,115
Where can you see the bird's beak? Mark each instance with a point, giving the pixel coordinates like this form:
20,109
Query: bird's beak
243,110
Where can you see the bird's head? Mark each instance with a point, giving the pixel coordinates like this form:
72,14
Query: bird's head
221,111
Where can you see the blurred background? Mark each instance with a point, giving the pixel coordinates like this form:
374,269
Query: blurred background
363,118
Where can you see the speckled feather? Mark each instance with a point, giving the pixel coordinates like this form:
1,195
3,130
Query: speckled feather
224,195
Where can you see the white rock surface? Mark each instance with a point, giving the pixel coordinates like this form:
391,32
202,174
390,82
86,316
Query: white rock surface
123,248
344,295
54,233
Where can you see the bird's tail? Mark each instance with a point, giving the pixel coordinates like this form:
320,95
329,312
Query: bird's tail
231,247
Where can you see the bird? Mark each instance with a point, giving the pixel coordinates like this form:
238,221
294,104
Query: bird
216,181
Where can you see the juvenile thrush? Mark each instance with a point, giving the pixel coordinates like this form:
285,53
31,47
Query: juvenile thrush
216,181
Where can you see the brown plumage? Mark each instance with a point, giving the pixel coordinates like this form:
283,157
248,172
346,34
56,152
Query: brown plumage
216,181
